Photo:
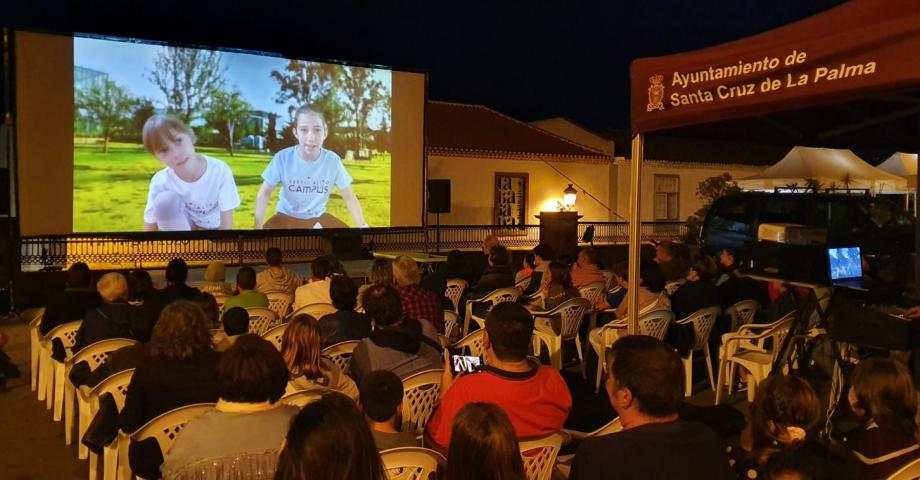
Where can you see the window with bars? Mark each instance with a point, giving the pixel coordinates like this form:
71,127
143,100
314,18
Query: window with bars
667,197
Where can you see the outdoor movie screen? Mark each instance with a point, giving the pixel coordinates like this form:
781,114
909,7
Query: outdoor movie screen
173,138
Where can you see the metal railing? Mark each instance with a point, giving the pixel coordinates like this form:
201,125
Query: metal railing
155,249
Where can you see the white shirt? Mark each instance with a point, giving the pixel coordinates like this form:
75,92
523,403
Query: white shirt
204,198
313,292
305,186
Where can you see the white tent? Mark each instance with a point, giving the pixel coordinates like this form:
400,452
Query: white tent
903,165
831,167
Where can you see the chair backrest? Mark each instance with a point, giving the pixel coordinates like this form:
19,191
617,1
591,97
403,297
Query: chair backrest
539,455
221,300
315,310
524,283
672,287
97,353
655,323
116,384
703,320
594,293
261,319
211,287
66,332
502,295
303,397
167,426
275,334
612,426
571,313
608,279
340,353
279,302
473,341
451,322
911,471
411,463
455,289
421,393
742,313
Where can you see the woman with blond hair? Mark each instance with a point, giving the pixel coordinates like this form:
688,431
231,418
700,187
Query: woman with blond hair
301,347
111,319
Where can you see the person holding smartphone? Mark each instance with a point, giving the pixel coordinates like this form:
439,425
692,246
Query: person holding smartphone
535,397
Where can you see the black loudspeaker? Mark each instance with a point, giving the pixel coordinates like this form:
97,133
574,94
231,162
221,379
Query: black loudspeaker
439,196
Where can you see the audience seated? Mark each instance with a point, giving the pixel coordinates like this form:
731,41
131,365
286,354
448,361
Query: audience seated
176,289
329,440
140,285
884,398
458,267
672,266
417,303
535,397
811,460
235,323
345,324
483,445
785,412
542,255
316,290
180,369
526,268
498,273
645,385
396,343
479,263
208,304
215,280
73,302
302,352
651,297
728,267
111,319
241,436
380,273
276,278
585,271
381,401
698,292
557,287
247,296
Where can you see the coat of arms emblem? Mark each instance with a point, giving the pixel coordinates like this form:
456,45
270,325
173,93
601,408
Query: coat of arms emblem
655,93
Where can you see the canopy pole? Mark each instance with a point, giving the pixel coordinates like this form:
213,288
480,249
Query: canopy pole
635,235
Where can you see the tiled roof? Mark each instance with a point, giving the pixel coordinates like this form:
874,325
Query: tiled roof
457,129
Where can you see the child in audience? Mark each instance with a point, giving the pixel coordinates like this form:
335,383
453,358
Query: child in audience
785,412
527,268
381,400
193,191
302,352
483,445
811,460
329,440
884,398
307,173
236,323
247,296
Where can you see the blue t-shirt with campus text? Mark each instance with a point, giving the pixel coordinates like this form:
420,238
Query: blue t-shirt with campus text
305,186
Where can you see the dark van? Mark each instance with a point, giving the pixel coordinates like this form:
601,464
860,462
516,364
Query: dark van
877,226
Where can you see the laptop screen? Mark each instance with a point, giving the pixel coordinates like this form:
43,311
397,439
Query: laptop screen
844,263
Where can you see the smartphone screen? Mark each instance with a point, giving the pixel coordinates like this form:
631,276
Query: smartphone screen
465,363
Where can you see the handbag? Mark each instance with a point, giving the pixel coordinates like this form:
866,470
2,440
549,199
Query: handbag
104,427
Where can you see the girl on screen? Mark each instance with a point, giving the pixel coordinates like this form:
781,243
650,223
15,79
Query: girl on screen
307,172
193,191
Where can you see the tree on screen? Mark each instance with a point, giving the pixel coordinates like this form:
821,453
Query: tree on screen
188,78
303,83
107,105
363,94
228,110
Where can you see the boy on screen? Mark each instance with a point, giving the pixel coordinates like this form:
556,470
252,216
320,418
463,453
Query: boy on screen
193,192
307,172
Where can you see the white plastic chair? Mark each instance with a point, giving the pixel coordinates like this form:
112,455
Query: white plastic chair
911,471
672,287
221,300
88,401
742,313
303,397
652,322
608,280
494,297
261,319
35,346
275,335
340,353
539,455
570,312
280,303
746,348
523,284
594,293
564,462
421,393
315,310
51,377
473,342
167,426
451,324
702,320
411,463
94,355
454,291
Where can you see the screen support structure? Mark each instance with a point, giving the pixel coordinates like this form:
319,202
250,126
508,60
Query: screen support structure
635,223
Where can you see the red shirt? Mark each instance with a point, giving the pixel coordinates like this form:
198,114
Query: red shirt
537,402
421,304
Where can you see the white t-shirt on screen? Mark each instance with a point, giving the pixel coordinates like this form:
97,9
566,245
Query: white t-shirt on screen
305,186
204,198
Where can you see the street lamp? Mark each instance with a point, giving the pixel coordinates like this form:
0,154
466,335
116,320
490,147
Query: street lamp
568,197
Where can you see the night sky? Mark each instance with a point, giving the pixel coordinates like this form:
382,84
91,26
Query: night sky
530,60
